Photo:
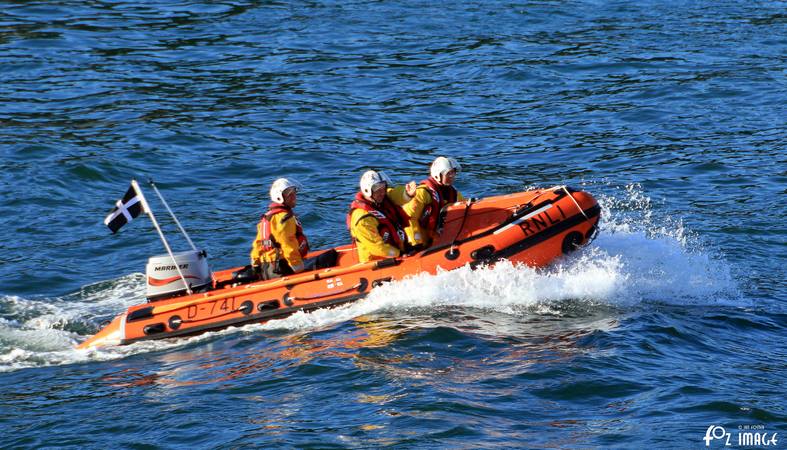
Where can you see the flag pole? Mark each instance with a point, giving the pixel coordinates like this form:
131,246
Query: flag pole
149,212
186,235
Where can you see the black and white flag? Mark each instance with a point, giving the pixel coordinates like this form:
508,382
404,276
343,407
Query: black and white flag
126,209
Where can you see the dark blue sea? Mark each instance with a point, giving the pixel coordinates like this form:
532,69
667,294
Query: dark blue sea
668,331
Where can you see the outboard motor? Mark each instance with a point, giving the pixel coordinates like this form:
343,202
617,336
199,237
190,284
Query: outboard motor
164,279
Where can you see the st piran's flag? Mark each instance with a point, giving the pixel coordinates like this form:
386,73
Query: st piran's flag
126,209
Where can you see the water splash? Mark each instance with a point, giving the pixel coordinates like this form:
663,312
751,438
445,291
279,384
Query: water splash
41,332
663,261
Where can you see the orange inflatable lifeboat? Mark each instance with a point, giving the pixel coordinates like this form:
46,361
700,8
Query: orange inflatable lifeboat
533,228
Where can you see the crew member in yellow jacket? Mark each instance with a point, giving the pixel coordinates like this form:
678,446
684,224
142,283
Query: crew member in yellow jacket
376,219
430,197
280,245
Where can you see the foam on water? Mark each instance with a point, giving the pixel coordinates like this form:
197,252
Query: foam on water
40,332
638,258
506,288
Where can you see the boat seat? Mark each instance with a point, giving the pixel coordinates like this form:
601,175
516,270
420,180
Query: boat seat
324,260
244,275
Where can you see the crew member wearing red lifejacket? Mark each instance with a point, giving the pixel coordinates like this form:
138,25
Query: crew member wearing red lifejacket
280,245
376,219
430,197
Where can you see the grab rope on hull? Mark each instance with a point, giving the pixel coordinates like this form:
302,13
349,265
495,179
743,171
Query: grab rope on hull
565,188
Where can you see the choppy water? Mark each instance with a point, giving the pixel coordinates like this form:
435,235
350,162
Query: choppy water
671,113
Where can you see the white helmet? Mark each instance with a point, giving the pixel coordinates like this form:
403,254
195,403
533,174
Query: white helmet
441,166
369,179
280,185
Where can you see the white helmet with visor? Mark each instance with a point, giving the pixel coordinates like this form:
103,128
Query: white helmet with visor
370,180
280,187
441,166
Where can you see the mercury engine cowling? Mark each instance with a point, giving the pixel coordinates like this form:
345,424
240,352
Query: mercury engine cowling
163,279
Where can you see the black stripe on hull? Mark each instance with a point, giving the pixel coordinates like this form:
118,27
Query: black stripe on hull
263,317
540,237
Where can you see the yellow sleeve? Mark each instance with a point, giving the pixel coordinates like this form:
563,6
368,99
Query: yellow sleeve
283,231
459,197
415,234
256,246
368,240
398,195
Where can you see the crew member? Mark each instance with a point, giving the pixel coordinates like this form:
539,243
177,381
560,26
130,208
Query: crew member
280,245
430,197
376,219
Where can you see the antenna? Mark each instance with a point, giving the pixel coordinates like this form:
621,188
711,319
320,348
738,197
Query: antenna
186,235
149,212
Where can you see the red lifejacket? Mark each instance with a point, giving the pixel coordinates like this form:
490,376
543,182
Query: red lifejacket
391,217
441,195
268,242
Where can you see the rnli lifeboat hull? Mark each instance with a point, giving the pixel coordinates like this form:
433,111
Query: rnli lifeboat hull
532,228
